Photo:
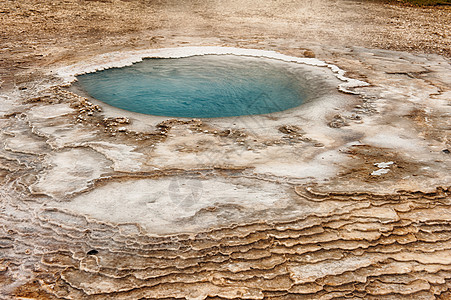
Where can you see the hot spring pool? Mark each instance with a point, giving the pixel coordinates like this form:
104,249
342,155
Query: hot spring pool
207,86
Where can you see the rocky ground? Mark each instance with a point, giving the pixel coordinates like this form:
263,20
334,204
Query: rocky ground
344,198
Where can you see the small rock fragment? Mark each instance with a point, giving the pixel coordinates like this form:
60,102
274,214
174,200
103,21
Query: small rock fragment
309,54
338,121
287,129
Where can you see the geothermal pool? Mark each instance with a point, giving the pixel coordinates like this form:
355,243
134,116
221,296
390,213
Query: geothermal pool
207,86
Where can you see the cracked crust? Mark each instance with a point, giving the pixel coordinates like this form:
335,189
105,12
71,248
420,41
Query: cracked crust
349,201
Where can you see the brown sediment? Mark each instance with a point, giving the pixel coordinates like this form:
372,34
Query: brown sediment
99,203
43,33
387,245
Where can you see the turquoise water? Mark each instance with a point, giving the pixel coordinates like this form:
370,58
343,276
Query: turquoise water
207,86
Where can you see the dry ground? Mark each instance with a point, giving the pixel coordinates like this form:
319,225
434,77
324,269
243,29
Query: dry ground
41,33
287,205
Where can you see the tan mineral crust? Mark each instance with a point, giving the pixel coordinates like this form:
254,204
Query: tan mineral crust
345,197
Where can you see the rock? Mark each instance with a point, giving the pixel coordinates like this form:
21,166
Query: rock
288,129
309,54
338,121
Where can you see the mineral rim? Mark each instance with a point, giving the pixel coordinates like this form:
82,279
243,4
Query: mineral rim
347,197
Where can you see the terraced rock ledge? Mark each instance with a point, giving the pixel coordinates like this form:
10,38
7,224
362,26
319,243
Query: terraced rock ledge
346,197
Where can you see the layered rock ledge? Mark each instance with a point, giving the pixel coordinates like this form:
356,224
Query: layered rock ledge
345,198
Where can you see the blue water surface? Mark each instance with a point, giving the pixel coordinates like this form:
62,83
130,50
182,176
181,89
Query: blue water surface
207,86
